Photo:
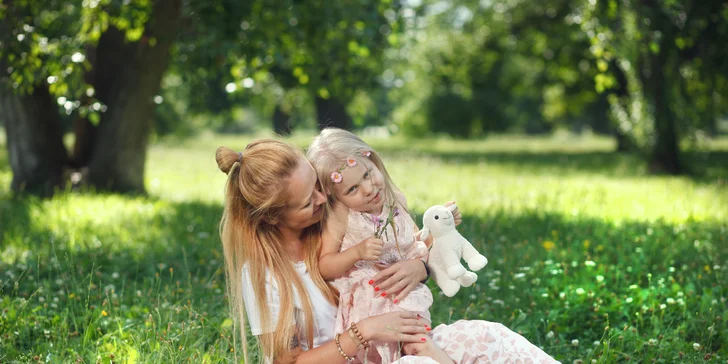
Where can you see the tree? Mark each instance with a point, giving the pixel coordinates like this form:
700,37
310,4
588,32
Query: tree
670,56
103,62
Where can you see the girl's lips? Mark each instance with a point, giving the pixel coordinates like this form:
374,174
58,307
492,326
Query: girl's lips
376,197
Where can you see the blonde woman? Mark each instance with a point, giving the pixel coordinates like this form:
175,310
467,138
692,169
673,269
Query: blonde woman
271,236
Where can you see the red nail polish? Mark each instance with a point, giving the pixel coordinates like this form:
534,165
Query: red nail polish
384,294
376,289
396,300
428,329
423,339
371,281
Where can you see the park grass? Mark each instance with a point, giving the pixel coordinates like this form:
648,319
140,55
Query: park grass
590,258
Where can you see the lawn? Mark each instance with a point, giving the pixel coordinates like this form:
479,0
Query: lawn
590,258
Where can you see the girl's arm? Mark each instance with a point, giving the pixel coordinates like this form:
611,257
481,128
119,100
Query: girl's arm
332,263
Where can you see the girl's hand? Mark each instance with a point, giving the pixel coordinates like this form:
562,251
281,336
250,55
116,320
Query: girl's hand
370,249
398,280
455,213
404,326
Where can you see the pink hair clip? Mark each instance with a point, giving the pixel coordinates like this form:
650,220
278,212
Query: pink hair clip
366,153
336,177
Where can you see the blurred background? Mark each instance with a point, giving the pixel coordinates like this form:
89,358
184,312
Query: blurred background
114,75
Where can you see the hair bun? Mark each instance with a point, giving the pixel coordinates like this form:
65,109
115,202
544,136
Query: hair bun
226,158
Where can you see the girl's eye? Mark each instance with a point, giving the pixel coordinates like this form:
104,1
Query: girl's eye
366,175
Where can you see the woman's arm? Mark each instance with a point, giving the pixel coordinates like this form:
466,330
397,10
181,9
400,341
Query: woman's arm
395,326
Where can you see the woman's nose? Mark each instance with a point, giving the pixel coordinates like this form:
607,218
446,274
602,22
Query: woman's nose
319,197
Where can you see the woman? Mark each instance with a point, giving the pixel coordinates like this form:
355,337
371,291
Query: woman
271,235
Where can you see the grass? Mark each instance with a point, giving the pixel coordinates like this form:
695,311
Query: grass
590,258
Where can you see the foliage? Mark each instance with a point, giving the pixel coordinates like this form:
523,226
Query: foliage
589,257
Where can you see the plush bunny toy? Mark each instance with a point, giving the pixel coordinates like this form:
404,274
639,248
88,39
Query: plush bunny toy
448,248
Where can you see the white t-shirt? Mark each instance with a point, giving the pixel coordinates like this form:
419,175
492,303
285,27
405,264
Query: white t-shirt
324,312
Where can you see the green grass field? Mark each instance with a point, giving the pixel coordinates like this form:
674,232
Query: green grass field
590,258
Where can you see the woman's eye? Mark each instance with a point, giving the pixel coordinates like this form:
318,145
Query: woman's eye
352,189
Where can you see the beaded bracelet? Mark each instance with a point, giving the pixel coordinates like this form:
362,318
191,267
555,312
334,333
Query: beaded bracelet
356,340
358,334
341,351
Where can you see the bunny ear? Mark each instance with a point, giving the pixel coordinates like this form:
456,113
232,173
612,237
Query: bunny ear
452,207
424,233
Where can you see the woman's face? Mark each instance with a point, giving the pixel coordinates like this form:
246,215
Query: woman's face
305,202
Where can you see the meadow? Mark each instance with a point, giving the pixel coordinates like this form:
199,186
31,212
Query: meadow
591,258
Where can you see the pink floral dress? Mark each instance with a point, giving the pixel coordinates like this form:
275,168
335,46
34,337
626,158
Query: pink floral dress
358,299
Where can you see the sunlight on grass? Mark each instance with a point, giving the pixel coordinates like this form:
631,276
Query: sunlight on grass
590,257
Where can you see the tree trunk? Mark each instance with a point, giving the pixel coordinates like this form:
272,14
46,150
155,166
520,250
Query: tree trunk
332,113
665,155
281,121
83,130
34,140
128,76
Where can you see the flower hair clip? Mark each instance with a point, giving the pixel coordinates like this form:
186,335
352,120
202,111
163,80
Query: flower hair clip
336,176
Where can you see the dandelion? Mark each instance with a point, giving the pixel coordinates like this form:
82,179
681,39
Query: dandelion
663,306
545,295
633,286
580,291
600,278
548,245
115,275
586,244
104,313
652,342
696,346
670,301
575,342
578,361
550,335
596,343
562,295
590,263
714,302
519,275
628,300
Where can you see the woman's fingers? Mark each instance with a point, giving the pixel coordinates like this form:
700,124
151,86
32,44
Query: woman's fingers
405,292
384,273
410,338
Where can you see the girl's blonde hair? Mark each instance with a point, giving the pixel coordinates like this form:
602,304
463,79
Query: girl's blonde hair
256,196
328,153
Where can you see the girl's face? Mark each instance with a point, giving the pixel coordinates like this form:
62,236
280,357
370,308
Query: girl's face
305,202
362,187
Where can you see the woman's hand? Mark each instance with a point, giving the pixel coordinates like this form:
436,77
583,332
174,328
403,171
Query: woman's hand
404,326
455,213
398,280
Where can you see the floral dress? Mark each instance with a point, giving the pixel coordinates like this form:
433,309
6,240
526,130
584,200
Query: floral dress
358,299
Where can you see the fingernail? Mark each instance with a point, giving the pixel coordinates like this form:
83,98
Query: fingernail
396,300
376,288
371,281
423,339
384,294
428,329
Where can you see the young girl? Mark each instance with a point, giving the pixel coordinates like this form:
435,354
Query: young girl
367,227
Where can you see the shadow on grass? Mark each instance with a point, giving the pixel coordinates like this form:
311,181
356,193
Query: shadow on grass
700,166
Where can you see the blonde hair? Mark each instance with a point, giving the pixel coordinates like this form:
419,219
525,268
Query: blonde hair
328,153
256,196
